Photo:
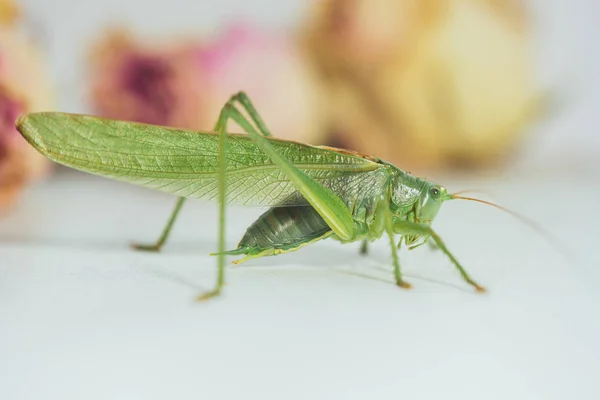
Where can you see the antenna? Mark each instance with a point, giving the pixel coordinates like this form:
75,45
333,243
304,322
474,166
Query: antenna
550,239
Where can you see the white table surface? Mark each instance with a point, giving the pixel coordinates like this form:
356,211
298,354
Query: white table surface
84,317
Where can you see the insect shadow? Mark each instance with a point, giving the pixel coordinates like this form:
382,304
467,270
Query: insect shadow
68,243
346,262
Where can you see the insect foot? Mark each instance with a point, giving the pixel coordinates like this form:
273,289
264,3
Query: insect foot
480,289
146,247
209,295
403,284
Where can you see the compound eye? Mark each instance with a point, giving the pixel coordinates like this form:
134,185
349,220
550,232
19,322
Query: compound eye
435,192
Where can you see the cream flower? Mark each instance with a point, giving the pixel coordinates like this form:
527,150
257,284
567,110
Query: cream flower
457,86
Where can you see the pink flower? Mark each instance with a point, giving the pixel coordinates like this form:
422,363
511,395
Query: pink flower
10,109
155,84
273,71
24,86
186,84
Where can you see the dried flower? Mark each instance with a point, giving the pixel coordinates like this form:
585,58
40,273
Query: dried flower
155,84
24,86
273,71
185,84
9,12
361,33
455,88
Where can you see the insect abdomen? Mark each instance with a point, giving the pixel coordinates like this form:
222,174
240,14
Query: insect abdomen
282,228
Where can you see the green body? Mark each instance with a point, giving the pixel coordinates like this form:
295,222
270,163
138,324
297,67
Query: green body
313,192
288,227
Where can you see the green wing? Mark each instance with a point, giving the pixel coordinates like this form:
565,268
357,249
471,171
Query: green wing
185,163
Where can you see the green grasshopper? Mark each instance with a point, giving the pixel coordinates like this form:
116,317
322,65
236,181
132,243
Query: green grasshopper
314,192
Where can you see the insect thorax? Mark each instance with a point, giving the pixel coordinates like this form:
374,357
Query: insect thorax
405,190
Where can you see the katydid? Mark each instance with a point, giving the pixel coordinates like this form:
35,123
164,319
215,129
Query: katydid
314,192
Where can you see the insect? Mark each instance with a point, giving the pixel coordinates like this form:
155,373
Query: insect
314,192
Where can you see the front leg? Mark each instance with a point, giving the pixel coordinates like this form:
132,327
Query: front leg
426,230
395,259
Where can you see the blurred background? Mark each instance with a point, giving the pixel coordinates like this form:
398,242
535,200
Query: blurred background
498,95
437,87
